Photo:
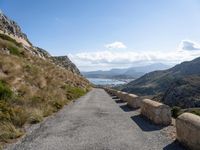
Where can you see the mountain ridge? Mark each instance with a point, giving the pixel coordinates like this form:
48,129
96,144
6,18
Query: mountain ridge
132,72
177,86
13,30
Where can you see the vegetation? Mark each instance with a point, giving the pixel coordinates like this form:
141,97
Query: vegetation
7,38
5,91
177,86
31,88
176,111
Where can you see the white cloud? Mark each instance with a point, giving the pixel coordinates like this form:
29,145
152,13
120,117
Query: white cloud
108,59
189,45
116,45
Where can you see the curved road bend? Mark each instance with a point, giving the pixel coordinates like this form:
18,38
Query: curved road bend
96,121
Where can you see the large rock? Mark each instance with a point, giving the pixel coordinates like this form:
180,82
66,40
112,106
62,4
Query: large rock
10,27
157,112
188,130
66,63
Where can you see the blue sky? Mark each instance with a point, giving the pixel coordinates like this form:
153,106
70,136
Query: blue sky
102,34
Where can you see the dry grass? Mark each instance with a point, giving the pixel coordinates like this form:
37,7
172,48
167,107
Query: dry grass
32,88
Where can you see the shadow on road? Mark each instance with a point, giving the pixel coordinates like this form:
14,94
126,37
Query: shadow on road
174,146
126,108
119,101
114,97
145,124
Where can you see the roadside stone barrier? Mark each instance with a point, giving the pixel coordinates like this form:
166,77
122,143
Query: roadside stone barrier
157,112
187,124
123,96
188,130
133,101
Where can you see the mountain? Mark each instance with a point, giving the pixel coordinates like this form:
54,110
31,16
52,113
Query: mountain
12,29
127,73
33,84
65,62
177,86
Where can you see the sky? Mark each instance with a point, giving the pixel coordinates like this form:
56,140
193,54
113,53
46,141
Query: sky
105,34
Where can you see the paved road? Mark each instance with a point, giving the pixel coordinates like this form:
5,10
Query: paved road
97,122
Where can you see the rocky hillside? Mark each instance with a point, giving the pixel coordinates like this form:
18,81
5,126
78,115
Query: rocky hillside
13,30
11,27
33,84
65,62
126,73
178,86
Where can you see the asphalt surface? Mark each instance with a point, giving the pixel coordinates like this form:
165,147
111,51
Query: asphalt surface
97,121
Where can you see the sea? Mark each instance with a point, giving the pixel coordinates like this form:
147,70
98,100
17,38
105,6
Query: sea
99,81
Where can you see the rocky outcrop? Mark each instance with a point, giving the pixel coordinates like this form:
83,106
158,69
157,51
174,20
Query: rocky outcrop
11,29
66,63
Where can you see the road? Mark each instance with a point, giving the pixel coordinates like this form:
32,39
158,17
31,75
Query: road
97,121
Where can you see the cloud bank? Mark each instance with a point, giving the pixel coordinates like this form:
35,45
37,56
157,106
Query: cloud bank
189,45
116,45
107,59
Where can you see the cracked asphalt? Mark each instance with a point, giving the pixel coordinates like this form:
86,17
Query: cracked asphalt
97,121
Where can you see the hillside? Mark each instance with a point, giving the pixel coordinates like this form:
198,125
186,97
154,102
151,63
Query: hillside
178,86
33,84
127,73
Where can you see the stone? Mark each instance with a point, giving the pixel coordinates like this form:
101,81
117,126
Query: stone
157,112
188,130
133,101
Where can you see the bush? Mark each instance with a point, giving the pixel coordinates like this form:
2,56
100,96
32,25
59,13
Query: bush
5,92
73,92
36,116
7,38
19,116
8,131
14,50
5,111
176,111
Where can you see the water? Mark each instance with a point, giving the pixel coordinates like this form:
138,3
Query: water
98,81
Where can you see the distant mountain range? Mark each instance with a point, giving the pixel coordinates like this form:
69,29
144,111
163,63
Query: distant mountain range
177,86
127,73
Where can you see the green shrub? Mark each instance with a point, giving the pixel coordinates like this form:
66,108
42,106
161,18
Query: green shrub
176,111
195,111
74,92
5,111
7,38
5,92
14,50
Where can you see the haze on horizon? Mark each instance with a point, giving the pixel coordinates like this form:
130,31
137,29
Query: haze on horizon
100,35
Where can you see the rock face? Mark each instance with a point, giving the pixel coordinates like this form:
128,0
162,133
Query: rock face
65,62
11,27
13,30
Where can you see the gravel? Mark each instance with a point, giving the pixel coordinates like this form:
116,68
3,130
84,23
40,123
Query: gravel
97,121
